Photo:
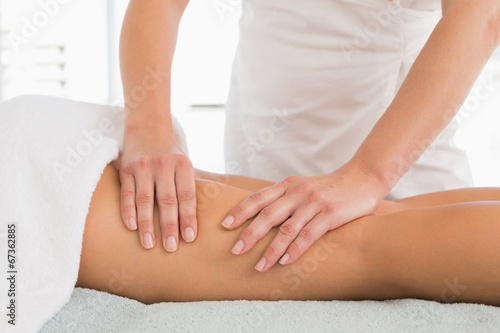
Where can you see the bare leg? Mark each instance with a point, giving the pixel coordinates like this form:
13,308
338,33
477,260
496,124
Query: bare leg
112,259
445,253
242,182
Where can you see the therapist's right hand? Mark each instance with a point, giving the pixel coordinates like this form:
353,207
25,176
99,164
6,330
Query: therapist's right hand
154,168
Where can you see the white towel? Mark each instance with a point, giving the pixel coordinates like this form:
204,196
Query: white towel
94,311
53,152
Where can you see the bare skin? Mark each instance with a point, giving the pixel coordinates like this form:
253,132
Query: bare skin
441,246
430,96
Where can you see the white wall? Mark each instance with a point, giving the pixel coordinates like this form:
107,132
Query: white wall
201,70
79,25
204,54
479,134
202,64
201,75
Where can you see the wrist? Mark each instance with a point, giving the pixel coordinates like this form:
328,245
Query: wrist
148,121
154,131
375,177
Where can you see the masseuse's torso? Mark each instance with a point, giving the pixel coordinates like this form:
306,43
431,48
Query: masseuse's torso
310,79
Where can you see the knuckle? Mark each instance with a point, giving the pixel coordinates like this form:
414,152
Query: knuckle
144,162
257,196
128,193
169,228
317,196
248,234
162,161
291,179
287,230
272,252
144,199
187,213
267,212
295,249
186,196
167,200
144,223
188,219
301,188
240,210
307,234
126,170
329,208
184,162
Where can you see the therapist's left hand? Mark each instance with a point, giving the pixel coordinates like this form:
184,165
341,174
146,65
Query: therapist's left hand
305,208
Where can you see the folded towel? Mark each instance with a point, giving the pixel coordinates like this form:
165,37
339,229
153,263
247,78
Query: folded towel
53,153
95,311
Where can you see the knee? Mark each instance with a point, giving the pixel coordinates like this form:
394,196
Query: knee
376,259
364,257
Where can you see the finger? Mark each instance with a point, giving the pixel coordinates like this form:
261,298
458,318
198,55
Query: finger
252,205
287,233
186,196
272,215
167,208
310,233
127,200
145,203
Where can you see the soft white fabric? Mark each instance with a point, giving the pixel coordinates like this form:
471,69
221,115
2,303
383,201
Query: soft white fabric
53,152
311,78
93,311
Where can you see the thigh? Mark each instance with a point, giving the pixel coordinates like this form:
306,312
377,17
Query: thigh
112,259
406,250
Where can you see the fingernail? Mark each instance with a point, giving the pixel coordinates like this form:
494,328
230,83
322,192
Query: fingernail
148,241
260,265
238,247
171,244
284,259
189,234
132,223
228,221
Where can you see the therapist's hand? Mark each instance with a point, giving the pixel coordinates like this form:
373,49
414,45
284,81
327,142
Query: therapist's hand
305,208
152,161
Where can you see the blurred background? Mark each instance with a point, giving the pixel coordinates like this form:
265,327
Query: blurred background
69,48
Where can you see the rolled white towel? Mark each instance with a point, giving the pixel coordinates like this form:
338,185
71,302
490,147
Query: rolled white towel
53,152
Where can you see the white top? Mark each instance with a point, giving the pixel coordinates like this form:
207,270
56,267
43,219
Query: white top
311,78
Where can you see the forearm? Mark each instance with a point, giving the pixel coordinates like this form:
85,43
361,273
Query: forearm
147,46
433,91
